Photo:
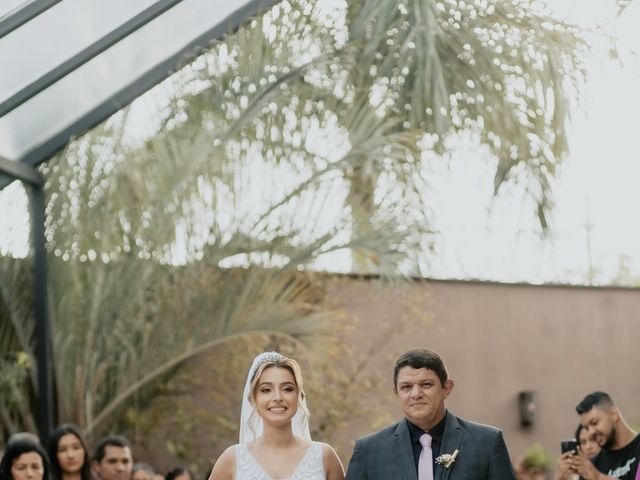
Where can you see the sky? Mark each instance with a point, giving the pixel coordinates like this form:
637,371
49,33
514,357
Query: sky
594,234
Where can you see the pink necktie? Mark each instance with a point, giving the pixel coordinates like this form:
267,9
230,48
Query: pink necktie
425,462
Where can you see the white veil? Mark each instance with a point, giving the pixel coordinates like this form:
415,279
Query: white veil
251,423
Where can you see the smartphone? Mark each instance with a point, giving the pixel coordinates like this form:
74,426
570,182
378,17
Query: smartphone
569,446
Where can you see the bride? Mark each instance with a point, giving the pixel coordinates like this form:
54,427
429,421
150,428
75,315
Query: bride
275,443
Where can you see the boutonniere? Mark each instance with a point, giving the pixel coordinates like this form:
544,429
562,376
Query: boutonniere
447,459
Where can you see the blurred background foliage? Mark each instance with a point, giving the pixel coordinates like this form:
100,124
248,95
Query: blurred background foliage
296,138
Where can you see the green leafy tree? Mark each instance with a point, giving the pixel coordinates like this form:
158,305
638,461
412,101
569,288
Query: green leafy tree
392,80
16,345
151,264
298,136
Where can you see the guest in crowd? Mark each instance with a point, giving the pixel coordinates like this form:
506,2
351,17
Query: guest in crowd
620,444
69,454
23,436
587,445
178,473
24,460
142,471
112,459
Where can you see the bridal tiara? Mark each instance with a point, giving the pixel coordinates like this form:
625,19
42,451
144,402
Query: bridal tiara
269,357
264,357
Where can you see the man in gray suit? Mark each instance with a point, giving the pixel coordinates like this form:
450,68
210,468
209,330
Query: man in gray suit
430,443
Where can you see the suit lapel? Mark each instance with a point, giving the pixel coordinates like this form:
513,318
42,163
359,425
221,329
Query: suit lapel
451,440
404,451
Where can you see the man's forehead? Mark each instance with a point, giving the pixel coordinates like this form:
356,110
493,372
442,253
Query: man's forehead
593,413
113,451
410,373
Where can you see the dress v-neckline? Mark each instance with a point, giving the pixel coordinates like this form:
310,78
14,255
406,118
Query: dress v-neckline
295,471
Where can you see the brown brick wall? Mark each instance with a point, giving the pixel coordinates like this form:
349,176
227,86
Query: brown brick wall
497,340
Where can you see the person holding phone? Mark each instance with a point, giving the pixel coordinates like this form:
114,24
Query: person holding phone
585,443
620,444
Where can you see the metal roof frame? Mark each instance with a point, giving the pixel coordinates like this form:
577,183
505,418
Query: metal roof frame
23,14
23,167
123,96
20,171
85,55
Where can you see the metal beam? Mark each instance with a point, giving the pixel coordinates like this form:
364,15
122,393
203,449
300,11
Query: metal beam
22,14
140,85
86,55
44,358
20,171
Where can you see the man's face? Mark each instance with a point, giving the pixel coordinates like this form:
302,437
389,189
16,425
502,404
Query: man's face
601,425
116,464
422,396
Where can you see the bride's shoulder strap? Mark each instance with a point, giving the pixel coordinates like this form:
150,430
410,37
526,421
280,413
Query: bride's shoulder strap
331,462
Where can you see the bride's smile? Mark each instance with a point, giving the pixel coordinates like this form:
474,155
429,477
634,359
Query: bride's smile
277,394
275,442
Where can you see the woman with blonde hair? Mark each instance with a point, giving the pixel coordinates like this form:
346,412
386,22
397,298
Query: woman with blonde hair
275,443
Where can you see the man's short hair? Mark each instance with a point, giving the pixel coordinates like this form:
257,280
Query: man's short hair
110,441
600,400
421,358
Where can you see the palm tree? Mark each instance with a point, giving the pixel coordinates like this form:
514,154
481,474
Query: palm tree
299,135
160,251
392,79
15,340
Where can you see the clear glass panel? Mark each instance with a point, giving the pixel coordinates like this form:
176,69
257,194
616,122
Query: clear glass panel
14,221
8,6
70,26
94,85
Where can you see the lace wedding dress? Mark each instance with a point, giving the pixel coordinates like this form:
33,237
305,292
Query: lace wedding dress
309,468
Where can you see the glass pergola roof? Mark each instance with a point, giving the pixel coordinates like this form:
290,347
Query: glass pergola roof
69,64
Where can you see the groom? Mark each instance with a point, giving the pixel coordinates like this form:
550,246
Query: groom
430,443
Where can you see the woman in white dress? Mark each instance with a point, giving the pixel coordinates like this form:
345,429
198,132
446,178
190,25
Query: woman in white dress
275,443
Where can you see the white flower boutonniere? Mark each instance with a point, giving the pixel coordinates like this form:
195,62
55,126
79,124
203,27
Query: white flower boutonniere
447,459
